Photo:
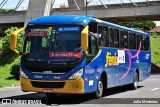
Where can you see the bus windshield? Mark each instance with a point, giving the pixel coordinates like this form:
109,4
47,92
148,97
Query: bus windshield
52,43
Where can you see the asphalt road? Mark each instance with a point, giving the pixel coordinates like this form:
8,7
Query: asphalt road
147,94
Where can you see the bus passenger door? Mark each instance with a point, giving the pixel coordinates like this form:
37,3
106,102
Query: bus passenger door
92,63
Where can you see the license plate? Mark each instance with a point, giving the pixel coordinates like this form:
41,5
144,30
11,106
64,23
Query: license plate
47,90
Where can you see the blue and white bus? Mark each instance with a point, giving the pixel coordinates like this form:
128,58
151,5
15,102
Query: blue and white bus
81,54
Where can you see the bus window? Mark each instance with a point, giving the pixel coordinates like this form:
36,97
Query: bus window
35,44
134,40
139,38
132,43
94,46
26,47
116,38
101,39
145,43
126,39
106,37
112,33
121,45
93,41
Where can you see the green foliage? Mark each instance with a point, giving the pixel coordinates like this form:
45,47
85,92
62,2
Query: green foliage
11,10
6,79
8,56
9,62
0,43
15,69
6,39
155,49
146,26
4,10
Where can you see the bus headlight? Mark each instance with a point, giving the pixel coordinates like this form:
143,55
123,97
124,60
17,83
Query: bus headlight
76,74
22,74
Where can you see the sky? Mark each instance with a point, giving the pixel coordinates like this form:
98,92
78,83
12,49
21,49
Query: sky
11,4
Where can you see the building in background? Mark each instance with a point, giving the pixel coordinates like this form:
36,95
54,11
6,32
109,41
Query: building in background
155,30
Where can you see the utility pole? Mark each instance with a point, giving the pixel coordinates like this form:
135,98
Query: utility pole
87,2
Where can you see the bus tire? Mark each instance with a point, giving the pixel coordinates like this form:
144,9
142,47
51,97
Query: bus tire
134,85
51,95
99,92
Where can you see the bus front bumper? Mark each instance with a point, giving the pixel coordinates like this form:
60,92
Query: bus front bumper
70,86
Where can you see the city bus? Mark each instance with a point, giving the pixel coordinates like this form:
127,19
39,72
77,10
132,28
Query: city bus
73,54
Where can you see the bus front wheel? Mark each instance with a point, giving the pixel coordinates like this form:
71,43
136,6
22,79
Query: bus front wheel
99,92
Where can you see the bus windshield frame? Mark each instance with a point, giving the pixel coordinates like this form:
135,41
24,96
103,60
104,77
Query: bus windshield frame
53,43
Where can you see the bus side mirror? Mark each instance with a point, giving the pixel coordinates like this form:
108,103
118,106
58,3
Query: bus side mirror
84,39
13,41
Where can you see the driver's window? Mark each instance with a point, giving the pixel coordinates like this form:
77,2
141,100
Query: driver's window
92,40
92,46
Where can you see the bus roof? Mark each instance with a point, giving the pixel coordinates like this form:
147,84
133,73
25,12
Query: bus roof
61,19
76,19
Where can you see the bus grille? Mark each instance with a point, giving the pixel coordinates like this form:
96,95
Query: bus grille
47,84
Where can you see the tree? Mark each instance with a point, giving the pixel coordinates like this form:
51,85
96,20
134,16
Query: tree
8,56
145,26
3,10
6,40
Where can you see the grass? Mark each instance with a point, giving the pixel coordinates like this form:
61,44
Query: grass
155,49
6,79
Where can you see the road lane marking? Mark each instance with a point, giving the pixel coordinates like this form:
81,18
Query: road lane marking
154,89
155,79
9,88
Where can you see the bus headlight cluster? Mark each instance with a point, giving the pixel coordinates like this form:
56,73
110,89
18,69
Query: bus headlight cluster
22,74
76,74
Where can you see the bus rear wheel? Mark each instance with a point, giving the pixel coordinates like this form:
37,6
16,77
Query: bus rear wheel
99,92
134,85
